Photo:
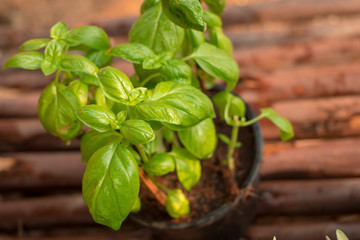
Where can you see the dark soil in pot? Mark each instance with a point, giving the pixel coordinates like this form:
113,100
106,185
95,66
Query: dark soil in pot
221,207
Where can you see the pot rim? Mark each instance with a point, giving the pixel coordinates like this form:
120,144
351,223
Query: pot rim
226,207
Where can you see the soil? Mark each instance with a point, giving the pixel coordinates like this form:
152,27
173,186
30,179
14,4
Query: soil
216,186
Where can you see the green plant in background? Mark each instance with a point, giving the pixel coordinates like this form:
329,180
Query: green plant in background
132,119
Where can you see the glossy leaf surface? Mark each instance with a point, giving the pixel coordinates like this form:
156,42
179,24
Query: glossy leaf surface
111,185
81,91
99,57
176,70
200,140
160,164
188,168
185,13
283,124
59,31
216,62
26,60
90,36
154,30
57,111
137,131
216,6
34,44
53,55
132,52
97,117
78,63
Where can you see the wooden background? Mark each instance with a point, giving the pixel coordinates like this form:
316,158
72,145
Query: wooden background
301,57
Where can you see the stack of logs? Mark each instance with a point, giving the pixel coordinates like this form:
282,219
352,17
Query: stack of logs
301,57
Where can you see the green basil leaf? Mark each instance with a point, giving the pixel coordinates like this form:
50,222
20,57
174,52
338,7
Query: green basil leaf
160,164
57,111
211,19
168,134
220,40
137,206
89,79
216,62
53,55
182,98
229,106
196,38
216,6
81,91
93,140
148,4
115,84
111,185
185,13
132,52
200,140
283,124
90,36
224,138
156,111
176,70
177,205
188,168
152,62
99,57
154,30
59,31
34,44
26,60
97,117
137,95
340,235
121,116
137,131
78,63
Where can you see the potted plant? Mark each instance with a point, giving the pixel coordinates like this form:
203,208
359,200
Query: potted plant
157,126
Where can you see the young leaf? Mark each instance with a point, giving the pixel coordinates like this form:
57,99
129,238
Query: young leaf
160,164
115,84
137,131
229,106
170,97
97,117
188,168
57,111
154,30
177,205
78,63
340,235
326,237
121,116
211,19
200,140
132,52
53,55
176,70
59,31
283,124
220,40
34,44
81,91
168,134
99,57
110,185
137,206
185,13
137,95
216,62
93,140
26,60
216,6
90,36
224,138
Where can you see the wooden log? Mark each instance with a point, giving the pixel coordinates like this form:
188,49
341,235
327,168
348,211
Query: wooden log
313,159
317,118
15,103
327,81
325,51
303,230
309,197
28,134
19,171
19,78
290,10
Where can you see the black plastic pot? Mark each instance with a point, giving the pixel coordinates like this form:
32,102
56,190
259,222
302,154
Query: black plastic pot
230,220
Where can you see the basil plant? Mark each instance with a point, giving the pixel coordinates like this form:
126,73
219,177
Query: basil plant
132,119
